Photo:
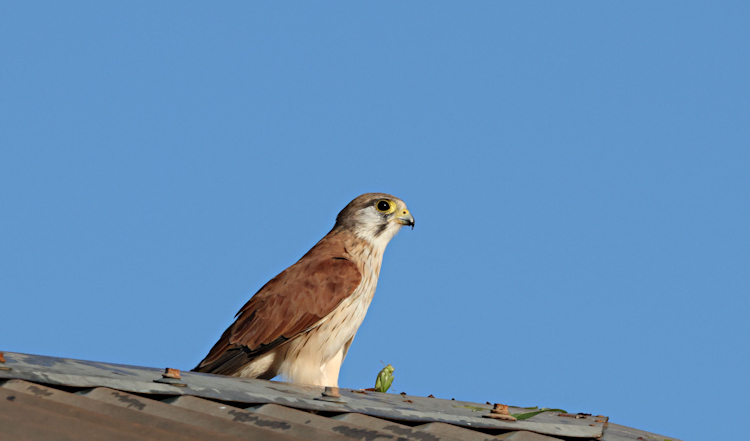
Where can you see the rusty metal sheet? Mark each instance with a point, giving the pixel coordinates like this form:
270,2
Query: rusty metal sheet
186,416
399,430
254,419
349,431
523,435
26,417
616,432
448,430
563,418
159,428
52,370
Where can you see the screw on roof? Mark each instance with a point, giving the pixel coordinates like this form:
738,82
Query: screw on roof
172,377
500,412
171,373
331,394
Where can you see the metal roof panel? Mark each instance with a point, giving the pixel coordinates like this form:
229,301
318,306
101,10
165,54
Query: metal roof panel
448,430
52,370
237,415
399,430
161,429
27,417
120,401
346,430
185,416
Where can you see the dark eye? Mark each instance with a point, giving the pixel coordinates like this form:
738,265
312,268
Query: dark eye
384,206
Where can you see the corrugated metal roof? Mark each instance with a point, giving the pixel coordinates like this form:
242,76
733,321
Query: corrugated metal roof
69,398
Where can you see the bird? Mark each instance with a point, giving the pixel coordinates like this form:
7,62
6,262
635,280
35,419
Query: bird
300,324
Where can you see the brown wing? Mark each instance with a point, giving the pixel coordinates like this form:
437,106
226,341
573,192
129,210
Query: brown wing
290,304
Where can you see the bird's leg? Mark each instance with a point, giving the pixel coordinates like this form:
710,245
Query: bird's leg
331,368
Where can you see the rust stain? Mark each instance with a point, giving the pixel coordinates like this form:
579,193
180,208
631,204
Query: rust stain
500,412
38,391
171,373
131,402
331,392
572,415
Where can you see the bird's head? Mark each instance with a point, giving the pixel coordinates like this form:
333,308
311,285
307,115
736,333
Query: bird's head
375,217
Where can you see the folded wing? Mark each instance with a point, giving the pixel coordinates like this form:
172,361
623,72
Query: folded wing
291,304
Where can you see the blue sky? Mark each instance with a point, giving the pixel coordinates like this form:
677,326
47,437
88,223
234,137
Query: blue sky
578,173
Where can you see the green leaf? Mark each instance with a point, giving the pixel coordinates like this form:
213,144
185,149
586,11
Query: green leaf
523,416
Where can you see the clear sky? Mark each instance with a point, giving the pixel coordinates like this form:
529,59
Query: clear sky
578,171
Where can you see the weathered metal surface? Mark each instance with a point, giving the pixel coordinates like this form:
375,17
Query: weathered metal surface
185,416
52,370
525,436
559,418
616,432
158,428
349,431
25,417
448,430
398,430
236,415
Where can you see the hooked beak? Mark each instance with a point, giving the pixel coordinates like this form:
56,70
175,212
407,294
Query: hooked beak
405,218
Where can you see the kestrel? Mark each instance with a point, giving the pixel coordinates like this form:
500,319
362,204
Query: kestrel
301,324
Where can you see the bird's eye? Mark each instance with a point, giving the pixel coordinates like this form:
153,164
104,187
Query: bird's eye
385,206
